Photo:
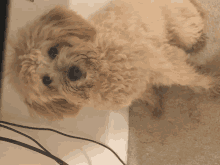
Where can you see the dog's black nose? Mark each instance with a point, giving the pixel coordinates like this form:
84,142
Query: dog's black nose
74,73
47,80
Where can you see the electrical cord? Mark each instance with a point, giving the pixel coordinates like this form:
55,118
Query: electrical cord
25,136
44,151
59,161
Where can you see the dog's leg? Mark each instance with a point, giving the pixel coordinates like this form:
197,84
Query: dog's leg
186,76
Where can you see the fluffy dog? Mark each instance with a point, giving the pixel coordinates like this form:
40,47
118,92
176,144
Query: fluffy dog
61,62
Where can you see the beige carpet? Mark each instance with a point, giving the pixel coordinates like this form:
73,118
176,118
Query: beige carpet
187,132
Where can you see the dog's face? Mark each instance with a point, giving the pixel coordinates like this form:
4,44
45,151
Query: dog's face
52,63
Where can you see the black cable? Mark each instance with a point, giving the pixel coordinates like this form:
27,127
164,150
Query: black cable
49,129
25,136
59,161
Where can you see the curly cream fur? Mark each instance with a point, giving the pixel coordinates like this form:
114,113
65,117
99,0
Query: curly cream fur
124,49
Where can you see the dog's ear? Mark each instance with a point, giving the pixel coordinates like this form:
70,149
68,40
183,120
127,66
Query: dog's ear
52,110
68,20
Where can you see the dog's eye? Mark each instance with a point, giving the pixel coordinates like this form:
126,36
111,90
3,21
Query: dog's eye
53,51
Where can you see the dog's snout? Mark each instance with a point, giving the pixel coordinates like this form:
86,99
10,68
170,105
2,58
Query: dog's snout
74,73
47,80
